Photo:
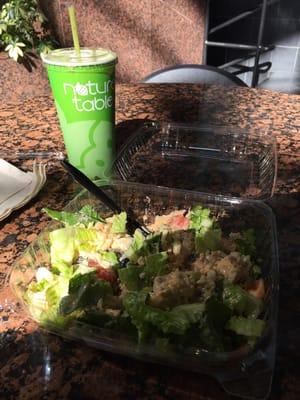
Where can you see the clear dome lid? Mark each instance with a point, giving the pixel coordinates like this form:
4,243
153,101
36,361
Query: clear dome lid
88,56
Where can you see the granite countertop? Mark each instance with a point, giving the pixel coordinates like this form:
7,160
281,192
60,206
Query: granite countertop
36,365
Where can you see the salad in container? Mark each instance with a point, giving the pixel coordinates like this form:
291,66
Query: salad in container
198,292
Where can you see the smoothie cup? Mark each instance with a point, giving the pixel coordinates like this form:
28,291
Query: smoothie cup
83,86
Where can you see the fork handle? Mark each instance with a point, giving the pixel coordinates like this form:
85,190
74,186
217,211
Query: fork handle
132,224
90,186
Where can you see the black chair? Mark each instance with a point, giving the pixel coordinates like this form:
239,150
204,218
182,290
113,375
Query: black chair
194,73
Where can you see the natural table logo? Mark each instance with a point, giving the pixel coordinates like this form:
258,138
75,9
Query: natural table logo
91,96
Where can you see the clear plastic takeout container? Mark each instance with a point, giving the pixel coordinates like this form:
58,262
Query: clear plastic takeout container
243,372
226,161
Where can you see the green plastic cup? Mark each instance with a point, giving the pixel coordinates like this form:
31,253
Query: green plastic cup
83,87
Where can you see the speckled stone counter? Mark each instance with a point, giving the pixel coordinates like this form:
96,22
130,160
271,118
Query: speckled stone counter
35,365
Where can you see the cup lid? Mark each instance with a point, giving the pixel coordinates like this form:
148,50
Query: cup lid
88,56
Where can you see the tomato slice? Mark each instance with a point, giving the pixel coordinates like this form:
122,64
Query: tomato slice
93,263
107,274
179,222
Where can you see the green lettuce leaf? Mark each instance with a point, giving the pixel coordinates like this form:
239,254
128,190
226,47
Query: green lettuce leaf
210,333
87,235
176,321
246,244
217,313
246,326
62,268
155,265
208,233
210,240
67,243
97,317
130,277
200,218
84,290
240,301
143,247
62,250
84,216
89,214
133,251
119,223
40,286
44,297
135,277
209,337
110,257
190,313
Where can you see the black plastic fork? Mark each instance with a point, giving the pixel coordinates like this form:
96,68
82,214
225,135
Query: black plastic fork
78,176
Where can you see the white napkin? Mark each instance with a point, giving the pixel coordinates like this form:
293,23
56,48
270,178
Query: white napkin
12,180
21,189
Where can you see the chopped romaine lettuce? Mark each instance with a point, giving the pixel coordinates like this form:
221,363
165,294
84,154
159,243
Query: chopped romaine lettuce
155,265
217,313
119,223
135,277
89,214
83,269
209,337
84,216
40,286
98,318
246,243
133,251
67,243
211,328
142,247
87,236
240,301
84,290
43,297
151,245
210,240
110,257
208,233
61,268
176,321
189,313
246,326
62,247
130,277
200,218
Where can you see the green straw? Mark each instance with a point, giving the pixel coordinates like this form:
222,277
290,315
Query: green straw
72,17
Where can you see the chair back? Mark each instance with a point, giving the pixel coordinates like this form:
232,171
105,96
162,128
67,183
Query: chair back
194,73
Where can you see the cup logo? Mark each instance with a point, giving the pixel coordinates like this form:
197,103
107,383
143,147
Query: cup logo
82,90
90,96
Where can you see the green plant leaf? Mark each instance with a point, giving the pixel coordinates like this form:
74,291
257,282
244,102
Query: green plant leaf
23,22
